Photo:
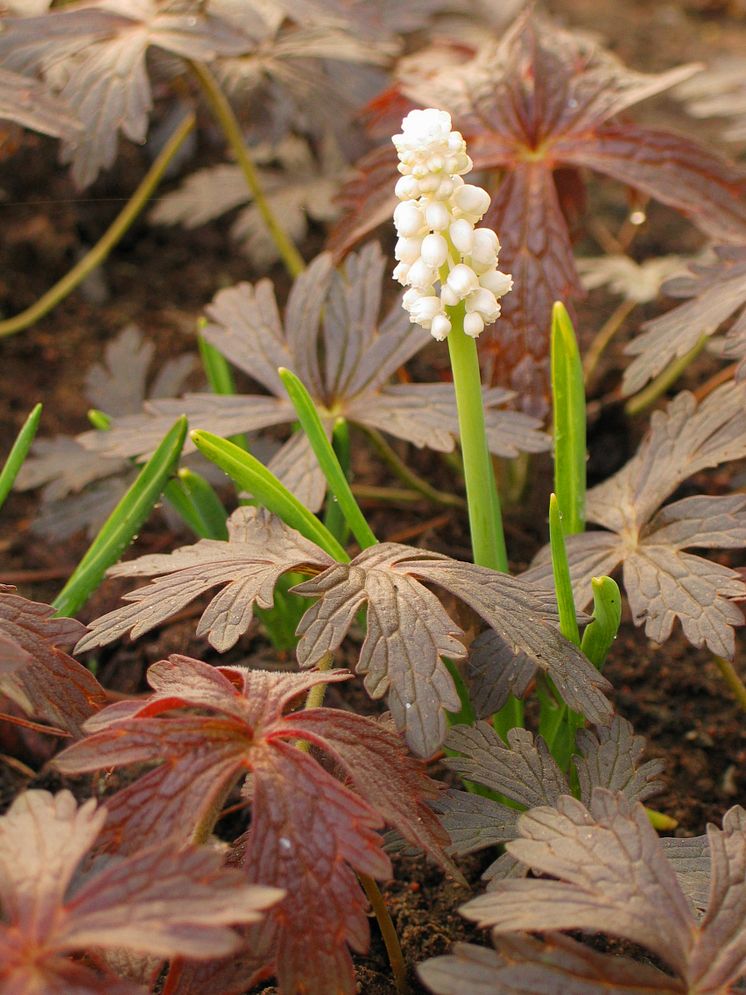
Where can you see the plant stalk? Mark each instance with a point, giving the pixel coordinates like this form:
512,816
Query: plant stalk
95,256
221,108
388,934
732,679
650,394
604,336
485,519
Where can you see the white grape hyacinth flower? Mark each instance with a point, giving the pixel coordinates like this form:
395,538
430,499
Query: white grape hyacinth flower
438,243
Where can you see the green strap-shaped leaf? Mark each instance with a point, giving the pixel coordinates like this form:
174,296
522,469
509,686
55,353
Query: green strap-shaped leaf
601,631
207,506
252,476
18,453
123,524
333,518
568,394
561,571
99,419
195,501
311,424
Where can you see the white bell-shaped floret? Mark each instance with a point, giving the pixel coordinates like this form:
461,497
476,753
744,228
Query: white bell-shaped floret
437,216
407,188
499,283
401,272
462,235
485,247
473,324
434,251
421,275
440,327
471,201
408,219
407,250
424,309
485,303
462,280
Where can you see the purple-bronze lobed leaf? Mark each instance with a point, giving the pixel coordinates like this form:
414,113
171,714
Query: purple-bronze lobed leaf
333,339
161,901
259,550
615,876
525,772
716,291
45,681
95,58
312,826
523,965
409,632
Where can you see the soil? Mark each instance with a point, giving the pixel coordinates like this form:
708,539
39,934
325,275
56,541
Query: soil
161,278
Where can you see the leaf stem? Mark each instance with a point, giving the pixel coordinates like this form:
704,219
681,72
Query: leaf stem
485,520
650,394
604,336
95,256
221,108
732,679
407,476
388,934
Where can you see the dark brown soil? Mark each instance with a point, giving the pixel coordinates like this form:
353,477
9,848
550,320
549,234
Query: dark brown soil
162,278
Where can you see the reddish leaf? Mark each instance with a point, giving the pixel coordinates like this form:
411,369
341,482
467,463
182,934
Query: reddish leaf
161,901
310,830
45,681
537,102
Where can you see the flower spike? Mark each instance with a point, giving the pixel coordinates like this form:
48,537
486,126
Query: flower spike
435,221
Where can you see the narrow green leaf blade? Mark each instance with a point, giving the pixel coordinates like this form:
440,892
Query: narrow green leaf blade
99,419
601,631
18,452
206,503
335,476
561,572
568,393
123,524
333,518
251,475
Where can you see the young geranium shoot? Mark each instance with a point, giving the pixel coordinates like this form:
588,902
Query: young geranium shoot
160,901
600,867
44,680
438,244
312,825
335,339
409,631
664,582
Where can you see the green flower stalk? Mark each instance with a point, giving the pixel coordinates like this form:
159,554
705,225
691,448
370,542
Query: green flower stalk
439,245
